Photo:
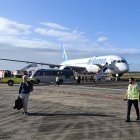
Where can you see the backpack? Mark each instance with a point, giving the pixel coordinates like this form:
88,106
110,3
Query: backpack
18,103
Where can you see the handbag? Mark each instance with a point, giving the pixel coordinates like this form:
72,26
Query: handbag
18,103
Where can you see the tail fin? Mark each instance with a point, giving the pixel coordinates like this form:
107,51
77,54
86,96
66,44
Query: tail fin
64,55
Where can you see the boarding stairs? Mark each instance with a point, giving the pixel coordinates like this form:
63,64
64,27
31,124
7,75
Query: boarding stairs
101,72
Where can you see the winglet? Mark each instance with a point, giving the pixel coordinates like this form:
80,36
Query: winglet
64,55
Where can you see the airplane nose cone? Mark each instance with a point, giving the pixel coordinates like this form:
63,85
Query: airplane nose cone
125,68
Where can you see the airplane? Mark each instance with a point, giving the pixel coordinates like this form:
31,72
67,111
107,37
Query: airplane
112,64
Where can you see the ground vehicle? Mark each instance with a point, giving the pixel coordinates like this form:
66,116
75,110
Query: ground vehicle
19,72
49,75
5,73
16,79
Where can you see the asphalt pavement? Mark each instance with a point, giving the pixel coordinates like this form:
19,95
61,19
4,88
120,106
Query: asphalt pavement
89,111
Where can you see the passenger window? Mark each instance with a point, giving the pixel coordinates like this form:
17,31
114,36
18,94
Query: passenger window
49,73
37,73
123,61
41,73
44,73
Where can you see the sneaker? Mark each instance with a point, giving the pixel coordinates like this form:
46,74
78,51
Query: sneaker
128,120
25,113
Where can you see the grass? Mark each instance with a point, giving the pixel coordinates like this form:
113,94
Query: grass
128,75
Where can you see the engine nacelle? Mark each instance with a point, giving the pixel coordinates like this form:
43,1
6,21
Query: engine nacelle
92,68
76,69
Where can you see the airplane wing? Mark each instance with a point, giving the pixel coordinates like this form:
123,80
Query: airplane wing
76,68
40,63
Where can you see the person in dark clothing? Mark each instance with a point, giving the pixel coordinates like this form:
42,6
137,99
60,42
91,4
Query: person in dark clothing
79,79
24,90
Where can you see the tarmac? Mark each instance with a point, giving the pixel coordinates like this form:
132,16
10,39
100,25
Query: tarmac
88,111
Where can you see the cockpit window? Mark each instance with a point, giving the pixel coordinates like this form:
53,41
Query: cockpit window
121,61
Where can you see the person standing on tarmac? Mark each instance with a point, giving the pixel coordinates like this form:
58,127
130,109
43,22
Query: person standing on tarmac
132,97
79,79
57,81
24,91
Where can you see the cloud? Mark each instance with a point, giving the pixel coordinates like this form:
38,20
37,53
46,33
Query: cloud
11,41
9,27
74,36
54,26
102,39
118,51
13,34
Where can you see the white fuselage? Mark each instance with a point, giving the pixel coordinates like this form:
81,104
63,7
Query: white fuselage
116,64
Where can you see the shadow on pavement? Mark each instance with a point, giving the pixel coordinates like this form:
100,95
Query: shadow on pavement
69,114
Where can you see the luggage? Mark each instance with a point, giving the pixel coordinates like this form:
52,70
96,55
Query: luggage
18,103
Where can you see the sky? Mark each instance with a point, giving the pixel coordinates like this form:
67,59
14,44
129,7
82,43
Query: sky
35,30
